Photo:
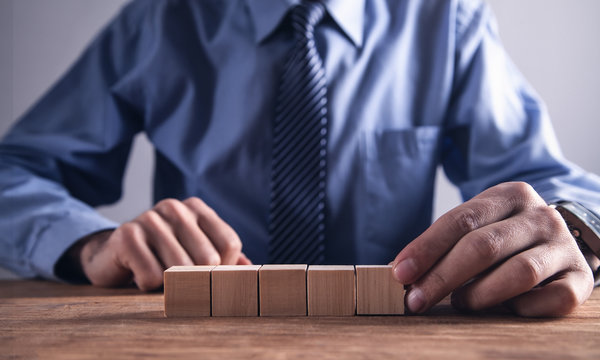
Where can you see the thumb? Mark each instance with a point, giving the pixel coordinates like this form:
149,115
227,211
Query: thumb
100,264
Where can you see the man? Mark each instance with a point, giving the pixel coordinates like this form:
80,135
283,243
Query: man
307,134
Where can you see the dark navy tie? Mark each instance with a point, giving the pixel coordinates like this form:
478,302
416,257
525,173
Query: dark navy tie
298,177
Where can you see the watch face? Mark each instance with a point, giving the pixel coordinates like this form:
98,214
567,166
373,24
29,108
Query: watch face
584,221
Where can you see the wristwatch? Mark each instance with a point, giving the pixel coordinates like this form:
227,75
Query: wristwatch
585,228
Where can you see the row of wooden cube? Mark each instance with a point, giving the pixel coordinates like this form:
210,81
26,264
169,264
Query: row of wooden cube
281,290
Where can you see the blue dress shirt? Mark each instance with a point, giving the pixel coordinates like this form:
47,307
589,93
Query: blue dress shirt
412,85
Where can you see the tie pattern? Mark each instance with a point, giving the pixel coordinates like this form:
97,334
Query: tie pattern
298,177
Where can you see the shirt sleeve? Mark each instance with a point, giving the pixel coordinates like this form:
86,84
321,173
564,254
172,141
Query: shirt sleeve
68,153
498,129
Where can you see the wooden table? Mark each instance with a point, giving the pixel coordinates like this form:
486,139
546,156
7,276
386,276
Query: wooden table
48,320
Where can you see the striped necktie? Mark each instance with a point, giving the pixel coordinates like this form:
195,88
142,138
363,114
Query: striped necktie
298,176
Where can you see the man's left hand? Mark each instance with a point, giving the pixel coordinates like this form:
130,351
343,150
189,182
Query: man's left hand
505,245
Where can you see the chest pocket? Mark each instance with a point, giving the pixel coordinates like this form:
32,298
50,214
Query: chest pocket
399,168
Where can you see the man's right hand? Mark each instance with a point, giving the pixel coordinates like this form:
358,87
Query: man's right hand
172,233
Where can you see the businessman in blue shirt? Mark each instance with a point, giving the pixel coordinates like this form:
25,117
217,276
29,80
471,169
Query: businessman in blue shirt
404,86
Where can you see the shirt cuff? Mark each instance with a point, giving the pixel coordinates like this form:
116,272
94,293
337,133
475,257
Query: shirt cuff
59,236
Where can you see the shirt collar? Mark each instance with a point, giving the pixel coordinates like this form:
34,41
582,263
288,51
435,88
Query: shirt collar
349,16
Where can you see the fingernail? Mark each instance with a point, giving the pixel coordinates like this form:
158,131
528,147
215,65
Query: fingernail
415,301
405,271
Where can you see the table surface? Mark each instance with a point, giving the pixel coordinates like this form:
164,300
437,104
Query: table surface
48,320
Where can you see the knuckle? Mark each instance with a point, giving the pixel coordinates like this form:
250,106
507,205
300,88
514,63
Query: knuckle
150,219
438,281
556,224
523,195
529,270
232,243
550,224
485,244
131,235
193,200
580,265
568,299
521,189
556,228
173,210
201,208
464,221
195,203
168,204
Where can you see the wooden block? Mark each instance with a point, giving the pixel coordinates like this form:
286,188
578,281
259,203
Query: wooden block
331,290
235,290
282,290
377,293
187,291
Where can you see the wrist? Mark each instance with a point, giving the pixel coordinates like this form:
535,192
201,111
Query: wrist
72,264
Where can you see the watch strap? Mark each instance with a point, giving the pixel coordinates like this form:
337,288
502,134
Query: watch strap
583,224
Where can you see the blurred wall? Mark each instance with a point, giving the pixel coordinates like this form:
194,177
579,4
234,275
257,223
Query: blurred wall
554,43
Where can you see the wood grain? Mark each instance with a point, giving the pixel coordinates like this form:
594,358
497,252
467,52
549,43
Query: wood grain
47,320
187,291
331,290
235,290
377,293
282,290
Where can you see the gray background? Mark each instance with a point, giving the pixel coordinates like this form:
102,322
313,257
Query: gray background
553,42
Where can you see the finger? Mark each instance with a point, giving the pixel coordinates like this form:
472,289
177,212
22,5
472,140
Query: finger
558,298
222,236
492,205
134,254
99,264
243,260
161,238
514,277
474,254
182,222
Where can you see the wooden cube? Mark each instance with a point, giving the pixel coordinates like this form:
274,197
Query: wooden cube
377,293
282,290
187,291
235,290
331,290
